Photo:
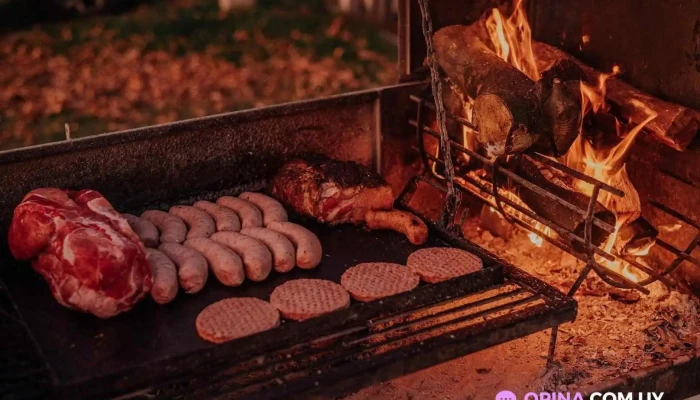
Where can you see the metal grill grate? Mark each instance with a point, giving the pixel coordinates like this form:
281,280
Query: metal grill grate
459,321
489,192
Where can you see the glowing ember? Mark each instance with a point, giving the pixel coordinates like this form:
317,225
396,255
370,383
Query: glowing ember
535,239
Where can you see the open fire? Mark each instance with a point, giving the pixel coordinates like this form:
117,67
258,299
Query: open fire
602,145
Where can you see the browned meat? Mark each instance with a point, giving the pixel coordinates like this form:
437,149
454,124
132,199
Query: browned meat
331,191
400,221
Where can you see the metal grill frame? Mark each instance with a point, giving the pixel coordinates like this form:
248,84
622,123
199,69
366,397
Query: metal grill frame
338,360
611,277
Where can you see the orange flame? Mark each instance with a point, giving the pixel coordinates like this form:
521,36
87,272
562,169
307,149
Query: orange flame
608,166
512,39
620,266
535,238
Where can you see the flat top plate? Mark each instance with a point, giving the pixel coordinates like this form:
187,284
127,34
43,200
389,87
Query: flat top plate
80,347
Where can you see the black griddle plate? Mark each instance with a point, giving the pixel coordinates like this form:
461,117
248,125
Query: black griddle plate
152,346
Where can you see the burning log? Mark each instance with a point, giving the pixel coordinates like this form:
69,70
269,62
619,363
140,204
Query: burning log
675,125
506,106
636,238
511,112
560,122
556,212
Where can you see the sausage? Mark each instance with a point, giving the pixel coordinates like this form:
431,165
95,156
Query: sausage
226,265
225,218
272,210
249,214
283,253
309,251
191,266
200,224
400,221
172,229
257,259
144,229
164,274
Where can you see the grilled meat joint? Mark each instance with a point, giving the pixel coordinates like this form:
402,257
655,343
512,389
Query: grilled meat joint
331,191
337,192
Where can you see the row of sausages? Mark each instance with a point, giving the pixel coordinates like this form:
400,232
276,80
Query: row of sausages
237,237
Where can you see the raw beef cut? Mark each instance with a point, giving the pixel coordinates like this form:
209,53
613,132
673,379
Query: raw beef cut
331,191
90,257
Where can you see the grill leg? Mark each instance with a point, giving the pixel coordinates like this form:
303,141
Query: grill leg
586,270
552,346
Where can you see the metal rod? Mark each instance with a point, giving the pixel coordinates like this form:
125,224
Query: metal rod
653,274
675,214
544,160
684,255
606,273
527,212
588,228
419,133
415,328
677,262
561,245
581,277
381,325
552,346
522,181
431,183
554,164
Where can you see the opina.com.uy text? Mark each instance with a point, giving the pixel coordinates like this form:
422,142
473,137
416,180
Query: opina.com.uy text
508,395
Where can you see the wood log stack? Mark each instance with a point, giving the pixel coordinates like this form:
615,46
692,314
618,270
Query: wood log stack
675,125
515,114
512,113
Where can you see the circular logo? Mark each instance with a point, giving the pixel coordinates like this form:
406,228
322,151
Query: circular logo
505,395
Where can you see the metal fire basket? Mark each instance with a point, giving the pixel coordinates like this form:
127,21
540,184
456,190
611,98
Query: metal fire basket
495,198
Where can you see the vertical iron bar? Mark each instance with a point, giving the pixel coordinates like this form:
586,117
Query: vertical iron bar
453,196
552,346
419,133
582,276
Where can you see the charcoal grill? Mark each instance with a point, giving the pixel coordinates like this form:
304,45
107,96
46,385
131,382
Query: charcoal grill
155,349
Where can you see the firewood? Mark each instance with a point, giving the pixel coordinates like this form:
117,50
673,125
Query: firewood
560,94
675,125
554,211
636,237
511,112
506,107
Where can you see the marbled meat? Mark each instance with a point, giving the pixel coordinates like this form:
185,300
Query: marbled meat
86,251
